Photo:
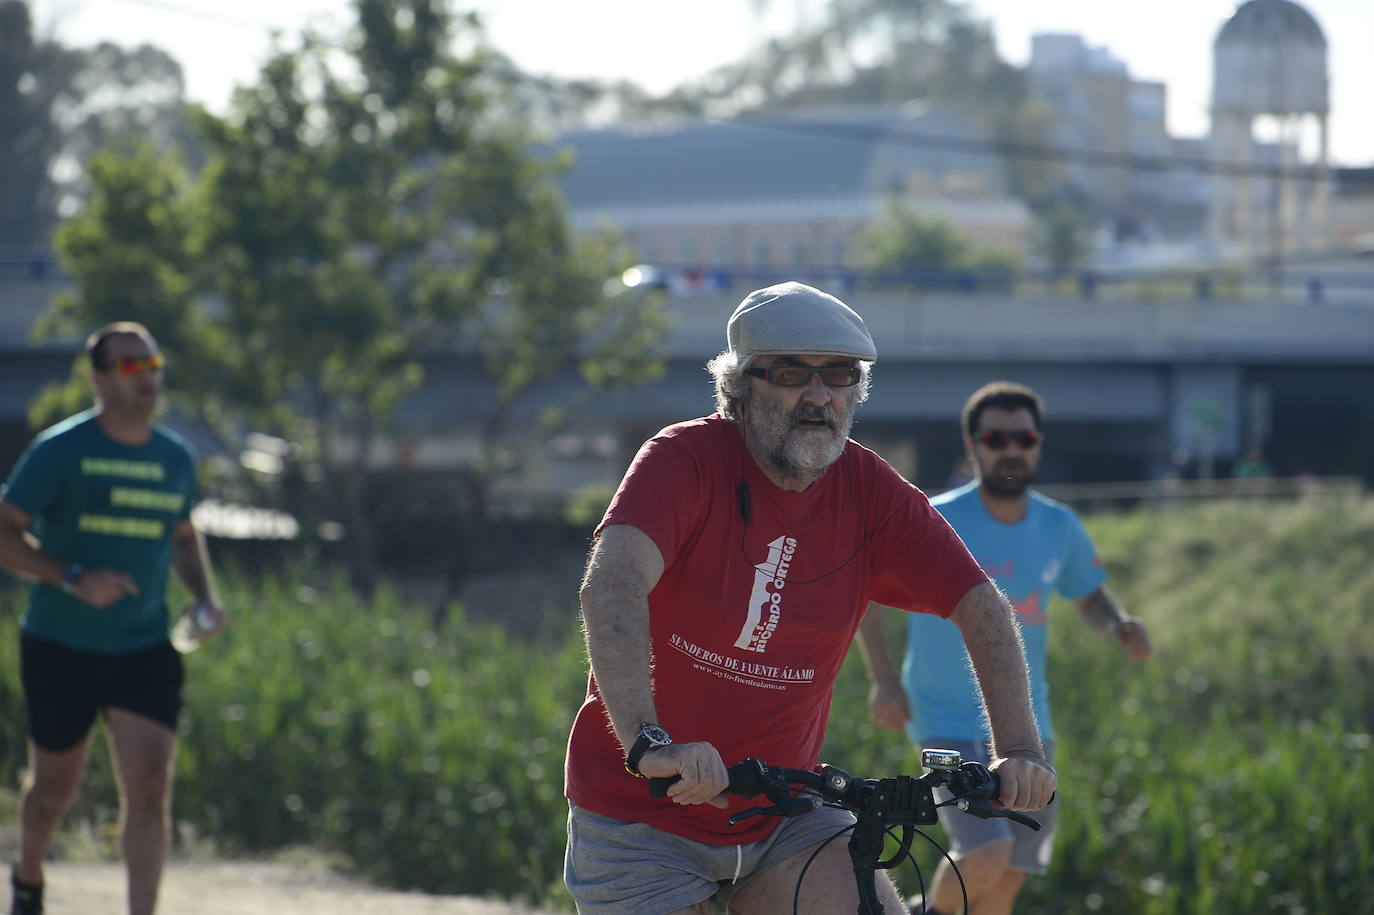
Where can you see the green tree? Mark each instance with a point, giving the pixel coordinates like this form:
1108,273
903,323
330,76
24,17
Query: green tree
908,241
1062,236
133,251
31,74
58,105
363,206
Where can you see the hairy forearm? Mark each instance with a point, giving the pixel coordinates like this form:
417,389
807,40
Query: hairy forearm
994,646
191,561
623,569
616,622
1102,610
873,647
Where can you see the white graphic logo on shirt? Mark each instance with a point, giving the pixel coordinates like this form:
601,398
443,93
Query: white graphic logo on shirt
1051,572
764,611
757,673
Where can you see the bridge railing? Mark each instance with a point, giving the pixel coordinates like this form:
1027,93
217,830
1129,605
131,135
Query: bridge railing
1200,284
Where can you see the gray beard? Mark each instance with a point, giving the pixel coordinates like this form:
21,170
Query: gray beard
795,449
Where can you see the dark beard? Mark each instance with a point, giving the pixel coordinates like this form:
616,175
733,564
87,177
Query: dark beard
1000,486
1007,487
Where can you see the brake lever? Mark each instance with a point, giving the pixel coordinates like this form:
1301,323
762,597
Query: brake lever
754,812
976,806
788,805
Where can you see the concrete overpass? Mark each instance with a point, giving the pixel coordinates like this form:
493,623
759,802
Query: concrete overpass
1135,388
1137,385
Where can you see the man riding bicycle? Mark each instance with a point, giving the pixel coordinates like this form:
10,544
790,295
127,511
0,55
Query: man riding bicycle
727,579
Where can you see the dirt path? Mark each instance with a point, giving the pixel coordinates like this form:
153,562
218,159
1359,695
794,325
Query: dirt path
250,888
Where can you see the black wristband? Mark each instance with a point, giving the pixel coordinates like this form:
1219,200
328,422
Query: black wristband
651,736
70,577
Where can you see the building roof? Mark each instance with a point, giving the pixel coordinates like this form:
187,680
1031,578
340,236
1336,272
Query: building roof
831,153
1271,22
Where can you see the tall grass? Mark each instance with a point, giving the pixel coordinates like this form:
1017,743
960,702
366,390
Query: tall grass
1230,773
428,755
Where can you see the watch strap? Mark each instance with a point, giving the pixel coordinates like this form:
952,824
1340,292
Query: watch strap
70,577
645,742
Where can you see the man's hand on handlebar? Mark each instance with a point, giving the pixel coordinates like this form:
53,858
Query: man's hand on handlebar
701,771
1028,782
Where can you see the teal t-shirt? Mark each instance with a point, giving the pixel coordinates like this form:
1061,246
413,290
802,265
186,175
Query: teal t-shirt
106,505
1048,550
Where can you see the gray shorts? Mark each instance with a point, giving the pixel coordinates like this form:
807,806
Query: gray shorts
1030,850
614,867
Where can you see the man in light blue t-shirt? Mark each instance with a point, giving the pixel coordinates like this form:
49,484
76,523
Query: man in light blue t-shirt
1031,546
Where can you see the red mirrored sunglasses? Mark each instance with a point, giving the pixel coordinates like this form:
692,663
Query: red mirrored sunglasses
132,365
997,439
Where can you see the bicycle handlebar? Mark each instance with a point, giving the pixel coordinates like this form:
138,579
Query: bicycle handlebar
901,801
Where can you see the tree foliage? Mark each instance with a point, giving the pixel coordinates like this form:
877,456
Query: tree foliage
906,241
1062,237
28,136
133,251
58,105
363,205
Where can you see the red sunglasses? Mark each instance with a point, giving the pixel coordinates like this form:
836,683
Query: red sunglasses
997,439
132,365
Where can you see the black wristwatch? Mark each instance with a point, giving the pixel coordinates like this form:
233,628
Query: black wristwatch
71,576
651,737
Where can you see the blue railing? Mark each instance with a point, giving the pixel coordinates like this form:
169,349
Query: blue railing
1195,284
36,267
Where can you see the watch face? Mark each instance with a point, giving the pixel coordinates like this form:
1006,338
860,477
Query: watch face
655,735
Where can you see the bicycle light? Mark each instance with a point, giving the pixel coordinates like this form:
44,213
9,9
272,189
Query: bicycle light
944,760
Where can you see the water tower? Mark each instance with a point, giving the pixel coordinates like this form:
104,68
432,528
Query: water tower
1269,60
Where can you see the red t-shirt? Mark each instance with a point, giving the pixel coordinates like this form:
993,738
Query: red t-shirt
751,621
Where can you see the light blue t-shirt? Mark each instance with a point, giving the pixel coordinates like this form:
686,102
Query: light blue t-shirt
1047,550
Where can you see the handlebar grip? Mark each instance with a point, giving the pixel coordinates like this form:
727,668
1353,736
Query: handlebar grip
997,792
658,787
746,780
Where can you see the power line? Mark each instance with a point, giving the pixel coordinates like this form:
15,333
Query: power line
206,15
1015,150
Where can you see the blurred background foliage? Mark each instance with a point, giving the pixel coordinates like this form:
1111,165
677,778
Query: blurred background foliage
361,205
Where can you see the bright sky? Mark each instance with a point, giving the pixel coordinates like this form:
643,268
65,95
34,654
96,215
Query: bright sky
659,44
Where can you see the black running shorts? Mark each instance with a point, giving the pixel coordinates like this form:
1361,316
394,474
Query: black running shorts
64,688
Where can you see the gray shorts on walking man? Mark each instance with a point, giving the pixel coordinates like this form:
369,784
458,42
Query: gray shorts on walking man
614,867
1030,850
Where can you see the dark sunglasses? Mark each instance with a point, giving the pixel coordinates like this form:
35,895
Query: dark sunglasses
132,365
796,376
996,439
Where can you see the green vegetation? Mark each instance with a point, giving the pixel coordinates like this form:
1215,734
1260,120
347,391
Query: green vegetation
60,104
906,241
429,756
1228,774
365,206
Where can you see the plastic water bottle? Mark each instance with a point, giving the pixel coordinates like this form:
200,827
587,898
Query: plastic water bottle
196,624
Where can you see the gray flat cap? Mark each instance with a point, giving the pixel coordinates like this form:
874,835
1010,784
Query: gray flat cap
795,318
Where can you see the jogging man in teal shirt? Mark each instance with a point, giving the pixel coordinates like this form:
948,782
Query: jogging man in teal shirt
96,512
1030,546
